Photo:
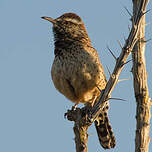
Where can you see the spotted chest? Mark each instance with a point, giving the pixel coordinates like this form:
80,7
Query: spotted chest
77,73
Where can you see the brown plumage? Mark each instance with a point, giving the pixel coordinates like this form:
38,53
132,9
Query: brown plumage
77,70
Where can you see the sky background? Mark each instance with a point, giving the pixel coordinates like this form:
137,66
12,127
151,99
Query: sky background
31,109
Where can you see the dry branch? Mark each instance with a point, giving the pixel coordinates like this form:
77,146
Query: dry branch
84,117
121,60
141,89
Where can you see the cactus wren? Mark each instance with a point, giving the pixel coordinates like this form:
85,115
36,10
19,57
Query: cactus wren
77,70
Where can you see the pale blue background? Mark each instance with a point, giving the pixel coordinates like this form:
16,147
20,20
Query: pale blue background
31,110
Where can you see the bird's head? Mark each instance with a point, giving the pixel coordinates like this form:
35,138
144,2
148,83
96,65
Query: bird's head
68,26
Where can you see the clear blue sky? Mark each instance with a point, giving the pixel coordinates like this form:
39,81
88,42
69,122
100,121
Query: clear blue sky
31,110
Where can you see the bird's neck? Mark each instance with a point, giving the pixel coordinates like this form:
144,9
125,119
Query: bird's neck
69,44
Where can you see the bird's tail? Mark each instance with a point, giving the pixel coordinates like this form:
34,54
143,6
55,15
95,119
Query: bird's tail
104,131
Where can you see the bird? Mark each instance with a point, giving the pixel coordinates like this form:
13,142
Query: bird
77,72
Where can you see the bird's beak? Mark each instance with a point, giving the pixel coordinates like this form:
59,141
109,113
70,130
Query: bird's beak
49,19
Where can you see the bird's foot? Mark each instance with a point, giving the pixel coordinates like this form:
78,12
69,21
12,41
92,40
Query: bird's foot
74,107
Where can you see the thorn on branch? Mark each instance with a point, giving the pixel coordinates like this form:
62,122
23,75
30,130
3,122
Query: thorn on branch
129,28
126,62
128,11
117,99
146,12
124,38
143,40
109,71
147,40
120,80
112,53
98,88
120,44
131,70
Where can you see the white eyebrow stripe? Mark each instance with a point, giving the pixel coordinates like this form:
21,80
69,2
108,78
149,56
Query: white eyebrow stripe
73,20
